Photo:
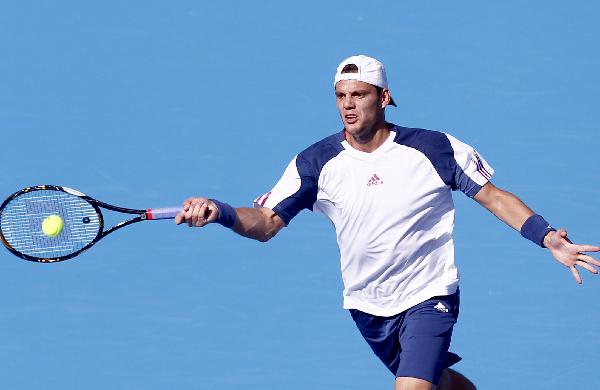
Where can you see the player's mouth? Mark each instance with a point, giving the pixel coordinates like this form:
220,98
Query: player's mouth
351,118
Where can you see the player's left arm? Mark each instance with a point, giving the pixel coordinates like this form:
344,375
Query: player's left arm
512,211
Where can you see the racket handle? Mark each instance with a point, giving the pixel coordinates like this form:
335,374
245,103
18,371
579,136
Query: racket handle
163,213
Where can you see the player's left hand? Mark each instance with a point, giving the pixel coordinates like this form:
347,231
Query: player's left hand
571,255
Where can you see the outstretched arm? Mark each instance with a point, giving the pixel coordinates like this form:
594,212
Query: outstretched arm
511,210
504,205
260,224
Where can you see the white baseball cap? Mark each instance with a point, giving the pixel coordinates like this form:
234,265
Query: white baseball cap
370,71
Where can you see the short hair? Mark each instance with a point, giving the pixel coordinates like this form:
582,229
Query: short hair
350,68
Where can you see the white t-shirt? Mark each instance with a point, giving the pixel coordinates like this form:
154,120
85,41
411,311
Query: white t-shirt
392,210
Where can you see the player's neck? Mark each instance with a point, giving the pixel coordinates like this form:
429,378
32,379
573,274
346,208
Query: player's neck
368,142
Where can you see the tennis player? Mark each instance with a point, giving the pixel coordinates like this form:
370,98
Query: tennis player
388,191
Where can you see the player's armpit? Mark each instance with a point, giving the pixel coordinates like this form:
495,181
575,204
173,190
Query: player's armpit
260,224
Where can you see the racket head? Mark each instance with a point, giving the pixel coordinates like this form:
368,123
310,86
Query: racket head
22,214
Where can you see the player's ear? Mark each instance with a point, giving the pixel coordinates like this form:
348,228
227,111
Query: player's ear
386,98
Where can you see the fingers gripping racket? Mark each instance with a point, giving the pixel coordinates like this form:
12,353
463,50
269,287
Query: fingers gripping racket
24,213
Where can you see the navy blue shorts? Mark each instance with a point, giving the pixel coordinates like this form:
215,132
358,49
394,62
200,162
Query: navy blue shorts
415,342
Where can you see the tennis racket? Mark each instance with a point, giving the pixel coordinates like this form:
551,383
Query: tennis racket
23,213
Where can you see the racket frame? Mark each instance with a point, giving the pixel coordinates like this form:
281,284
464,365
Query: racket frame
142,215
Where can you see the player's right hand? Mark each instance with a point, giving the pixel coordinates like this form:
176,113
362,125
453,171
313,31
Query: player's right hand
197,212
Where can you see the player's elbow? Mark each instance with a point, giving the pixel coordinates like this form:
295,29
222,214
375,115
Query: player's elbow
268,234
260,232
261,225
264,238
272,225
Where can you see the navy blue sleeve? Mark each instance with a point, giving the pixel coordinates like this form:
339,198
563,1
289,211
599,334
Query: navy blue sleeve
309,164
304,198
438,148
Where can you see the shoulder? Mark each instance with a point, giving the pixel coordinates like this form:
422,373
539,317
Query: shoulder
429,142
327,146
313,158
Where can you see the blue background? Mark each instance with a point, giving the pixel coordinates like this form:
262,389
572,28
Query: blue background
144,103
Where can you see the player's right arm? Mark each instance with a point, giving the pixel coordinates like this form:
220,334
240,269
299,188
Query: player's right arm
260,224
296,190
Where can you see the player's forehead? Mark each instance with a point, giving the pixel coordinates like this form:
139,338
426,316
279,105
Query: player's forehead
349,86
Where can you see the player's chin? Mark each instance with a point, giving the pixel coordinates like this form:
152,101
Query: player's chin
353,128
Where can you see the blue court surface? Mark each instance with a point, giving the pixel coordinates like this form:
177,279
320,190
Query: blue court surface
145,103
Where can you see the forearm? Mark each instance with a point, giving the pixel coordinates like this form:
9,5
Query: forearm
260,224
508,208
504,205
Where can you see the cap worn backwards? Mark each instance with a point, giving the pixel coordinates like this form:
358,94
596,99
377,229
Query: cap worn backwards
368,70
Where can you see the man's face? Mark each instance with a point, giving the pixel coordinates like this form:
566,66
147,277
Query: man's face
361,107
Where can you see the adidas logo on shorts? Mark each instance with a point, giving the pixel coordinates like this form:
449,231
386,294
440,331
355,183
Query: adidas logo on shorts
440,306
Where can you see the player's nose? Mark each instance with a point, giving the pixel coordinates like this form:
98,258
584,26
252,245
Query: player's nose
348,102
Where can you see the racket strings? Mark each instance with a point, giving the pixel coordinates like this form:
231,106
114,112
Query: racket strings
21,223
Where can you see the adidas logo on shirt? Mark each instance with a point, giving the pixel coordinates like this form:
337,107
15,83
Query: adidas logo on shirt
375,181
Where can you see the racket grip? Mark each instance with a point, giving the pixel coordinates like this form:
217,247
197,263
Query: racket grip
163,213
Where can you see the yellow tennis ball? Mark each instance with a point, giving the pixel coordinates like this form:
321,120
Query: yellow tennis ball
52,225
